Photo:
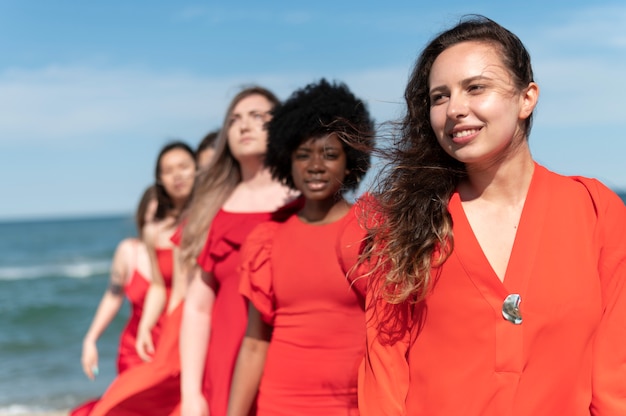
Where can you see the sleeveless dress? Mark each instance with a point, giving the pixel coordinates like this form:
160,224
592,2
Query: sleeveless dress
135,290
292,275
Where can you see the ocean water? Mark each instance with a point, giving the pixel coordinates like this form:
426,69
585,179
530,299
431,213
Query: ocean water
52,275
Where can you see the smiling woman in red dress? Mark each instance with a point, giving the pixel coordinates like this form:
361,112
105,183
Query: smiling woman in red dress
498,287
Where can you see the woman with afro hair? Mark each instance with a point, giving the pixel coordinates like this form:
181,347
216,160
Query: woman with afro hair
305,337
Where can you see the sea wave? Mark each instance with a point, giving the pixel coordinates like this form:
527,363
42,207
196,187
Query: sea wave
24,410
79,270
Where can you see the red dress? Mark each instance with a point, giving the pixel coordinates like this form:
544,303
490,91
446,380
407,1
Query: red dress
292,275
220,256
458,354
136,292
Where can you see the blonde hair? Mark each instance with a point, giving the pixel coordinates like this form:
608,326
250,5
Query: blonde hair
214,184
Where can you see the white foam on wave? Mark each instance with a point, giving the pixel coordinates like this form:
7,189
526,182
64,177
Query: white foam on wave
19,409
78,270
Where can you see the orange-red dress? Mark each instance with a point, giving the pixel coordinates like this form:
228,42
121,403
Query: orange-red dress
117,391
291,273
459,355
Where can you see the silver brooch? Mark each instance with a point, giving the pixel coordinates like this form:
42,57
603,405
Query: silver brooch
510,309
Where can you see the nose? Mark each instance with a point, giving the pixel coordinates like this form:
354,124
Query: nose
244,123
316,164
457,106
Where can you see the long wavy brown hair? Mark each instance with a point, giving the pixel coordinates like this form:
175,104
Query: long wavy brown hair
214,185
412,230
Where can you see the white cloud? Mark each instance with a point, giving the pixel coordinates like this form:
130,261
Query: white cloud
66,104
602,26
580,66
578,91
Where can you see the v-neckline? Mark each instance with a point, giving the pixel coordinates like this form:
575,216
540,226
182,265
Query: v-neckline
525,246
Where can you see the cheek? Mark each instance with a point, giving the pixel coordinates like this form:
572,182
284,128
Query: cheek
340,170
190,174
263,136
438,120
297,170
168,183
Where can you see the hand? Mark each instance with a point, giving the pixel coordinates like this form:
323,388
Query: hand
194,406
89,359
144,345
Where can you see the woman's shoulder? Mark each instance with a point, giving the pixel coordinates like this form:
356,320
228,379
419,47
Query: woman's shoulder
585,187
263,233
128,245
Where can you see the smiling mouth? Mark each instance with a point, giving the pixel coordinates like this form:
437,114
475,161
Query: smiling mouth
463,133
315,185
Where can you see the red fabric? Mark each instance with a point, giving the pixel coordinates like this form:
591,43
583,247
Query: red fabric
151,388
177,236
292,275
220,256
458,354
128,358
135,291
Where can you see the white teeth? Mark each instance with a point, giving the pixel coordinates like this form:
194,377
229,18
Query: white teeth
464,133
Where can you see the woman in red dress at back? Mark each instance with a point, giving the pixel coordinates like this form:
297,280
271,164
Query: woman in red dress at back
174,174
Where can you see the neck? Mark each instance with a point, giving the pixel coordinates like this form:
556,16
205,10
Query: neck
507,181
324,211
253,171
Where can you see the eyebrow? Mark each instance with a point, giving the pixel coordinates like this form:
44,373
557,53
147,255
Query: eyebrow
251,112
464,82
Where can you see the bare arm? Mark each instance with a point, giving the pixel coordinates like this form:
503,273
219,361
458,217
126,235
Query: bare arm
180,280
108,308
194,339
250,364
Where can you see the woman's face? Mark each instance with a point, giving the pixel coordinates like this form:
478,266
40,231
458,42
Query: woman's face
319,167
177,172
204,157
247,135
476,111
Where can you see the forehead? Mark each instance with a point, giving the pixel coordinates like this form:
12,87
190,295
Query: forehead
467,59
175,156
255,102
325,140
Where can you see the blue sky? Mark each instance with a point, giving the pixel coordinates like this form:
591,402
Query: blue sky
90,91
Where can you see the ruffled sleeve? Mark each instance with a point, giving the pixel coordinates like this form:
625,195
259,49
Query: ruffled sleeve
256,270
205,260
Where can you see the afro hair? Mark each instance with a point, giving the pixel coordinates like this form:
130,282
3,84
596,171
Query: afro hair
317,110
